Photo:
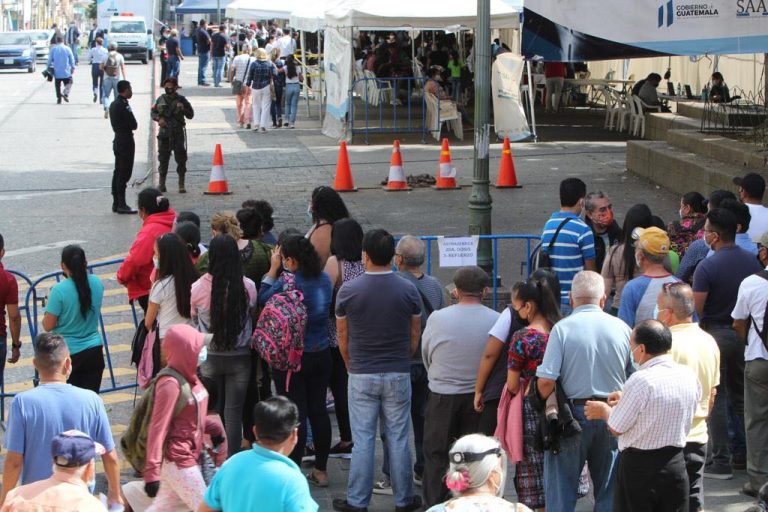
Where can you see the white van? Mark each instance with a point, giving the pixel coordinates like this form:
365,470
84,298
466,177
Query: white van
130,34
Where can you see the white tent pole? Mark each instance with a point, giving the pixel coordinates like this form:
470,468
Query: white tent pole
320,65
531,97
304,68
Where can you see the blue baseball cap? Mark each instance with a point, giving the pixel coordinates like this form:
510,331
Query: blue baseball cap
73,448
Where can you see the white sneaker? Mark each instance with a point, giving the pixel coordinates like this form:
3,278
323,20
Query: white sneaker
383,487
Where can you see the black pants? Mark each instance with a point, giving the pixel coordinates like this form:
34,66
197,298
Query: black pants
338,385
651,481
488,417
97,78
124,149
176,143
163,68
87,368
259,388
448,418
57,85
143,303
695,454
307,389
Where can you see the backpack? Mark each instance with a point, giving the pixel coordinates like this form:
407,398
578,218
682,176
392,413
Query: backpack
134,441
279,333
764,333
539,257
111,67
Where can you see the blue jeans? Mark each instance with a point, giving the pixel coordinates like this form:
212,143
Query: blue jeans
218,68
202,67
419,395
388,394
75,51
292,93
174,66
599,449
109,86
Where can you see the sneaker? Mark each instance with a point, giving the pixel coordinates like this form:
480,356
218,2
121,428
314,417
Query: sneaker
748,490
263,130
383,487
718,472
205,85
58,101
309,455
415,504
66,98
286,124
106,114
291,126
341,452
417,479
341,505
94,97
248,126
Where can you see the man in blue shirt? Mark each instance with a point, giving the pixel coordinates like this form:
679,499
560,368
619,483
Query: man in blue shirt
62,60
42,413
264,478
573,250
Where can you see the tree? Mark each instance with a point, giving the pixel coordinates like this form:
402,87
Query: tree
91,11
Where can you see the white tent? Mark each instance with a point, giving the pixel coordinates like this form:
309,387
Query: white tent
258,10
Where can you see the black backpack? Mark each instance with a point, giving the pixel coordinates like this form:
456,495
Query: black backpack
539,257
763,334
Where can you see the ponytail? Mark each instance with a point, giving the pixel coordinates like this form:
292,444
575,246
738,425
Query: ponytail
73,257
302,250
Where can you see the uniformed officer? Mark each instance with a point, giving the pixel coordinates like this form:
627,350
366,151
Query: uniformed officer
170,111
123,123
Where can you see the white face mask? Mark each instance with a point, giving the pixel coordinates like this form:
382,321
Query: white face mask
156,262
635,364
202,356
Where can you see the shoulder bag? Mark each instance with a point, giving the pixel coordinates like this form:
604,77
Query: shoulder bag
237,84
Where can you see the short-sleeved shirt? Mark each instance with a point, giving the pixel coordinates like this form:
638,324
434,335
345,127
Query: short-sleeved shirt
431,289
589,352
259,479
656,406
171,45
9,294
203,41
720,276
219,44
42,413
378,308
574,245
638,299
498,377
163,293
80,332
750,306
758,224
526,350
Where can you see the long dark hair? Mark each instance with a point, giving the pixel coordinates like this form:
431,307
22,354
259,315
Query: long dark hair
251,223
152,201
229,298
541,293
175,262
347,240
327,205
290,64
73,257
190,235
639,216
302,250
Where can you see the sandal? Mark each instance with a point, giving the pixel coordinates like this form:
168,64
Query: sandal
312,478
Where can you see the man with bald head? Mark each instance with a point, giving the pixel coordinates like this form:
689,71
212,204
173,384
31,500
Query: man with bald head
695,348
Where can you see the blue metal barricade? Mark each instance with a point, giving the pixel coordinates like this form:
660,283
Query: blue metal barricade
382,109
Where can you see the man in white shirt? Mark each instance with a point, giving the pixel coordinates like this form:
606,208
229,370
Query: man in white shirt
97,55
286,43
751,191
651,418
749,322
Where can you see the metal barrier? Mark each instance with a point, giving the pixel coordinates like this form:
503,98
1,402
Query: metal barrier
34,298
26,312
380,96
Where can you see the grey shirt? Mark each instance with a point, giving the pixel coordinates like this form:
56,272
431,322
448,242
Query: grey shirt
430,289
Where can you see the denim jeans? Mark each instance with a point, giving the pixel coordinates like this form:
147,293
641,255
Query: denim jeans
419,395
109,86
595,445
276,108
218,69
292,93
174,66
202,67
388,394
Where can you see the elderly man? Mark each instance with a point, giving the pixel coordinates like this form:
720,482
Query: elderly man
598,213
694,348
74,468
452,346
40,414
638,300
651,418
588,352
749,321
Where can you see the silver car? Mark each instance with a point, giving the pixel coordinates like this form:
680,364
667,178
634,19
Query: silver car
42,40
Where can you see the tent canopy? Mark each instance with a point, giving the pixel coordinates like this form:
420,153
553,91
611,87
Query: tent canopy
260,10
424,14
201,6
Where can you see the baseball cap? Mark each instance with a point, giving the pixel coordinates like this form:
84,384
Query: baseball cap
73,448
752,183
652,240
173,80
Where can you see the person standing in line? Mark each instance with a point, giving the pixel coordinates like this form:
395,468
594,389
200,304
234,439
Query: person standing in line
749,321
92,35
170,111
276,107
598,215
123,146
694,348
113,68
260,76
61,59
293,81
97,55
9,302
173,48
165,34
751,192
651,418
203,52
219,48
73,41
238,72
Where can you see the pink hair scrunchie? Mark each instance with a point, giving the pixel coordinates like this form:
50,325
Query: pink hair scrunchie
458,481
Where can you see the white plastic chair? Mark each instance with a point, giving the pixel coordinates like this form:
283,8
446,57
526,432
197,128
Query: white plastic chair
378,90
623,112
448,113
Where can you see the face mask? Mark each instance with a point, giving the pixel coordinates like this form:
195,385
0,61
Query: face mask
202,356
169,90
681,214
309,214
156,262
637,261
92,485
520,320
286,269
655,312
635,364
709,247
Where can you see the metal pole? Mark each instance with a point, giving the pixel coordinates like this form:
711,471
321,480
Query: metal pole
218,9
304,68
480,199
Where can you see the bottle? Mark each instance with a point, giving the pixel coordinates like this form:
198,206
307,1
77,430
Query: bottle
705,93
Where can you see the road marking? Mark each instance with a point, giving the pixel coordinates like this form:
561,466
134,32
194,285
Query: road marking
43,247
27,361
31,195
18,387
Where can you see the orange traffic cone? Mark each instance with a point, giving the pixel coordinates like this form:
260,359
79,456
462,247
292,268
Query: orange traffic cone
396,179
507,177
446,173
218,185
343,181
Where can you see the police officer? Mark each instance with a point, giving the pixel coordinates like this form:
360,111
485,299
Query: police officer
170,111
123,124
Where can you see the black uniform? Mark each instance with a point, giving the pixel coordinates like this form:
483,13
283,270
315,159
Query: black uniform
123,123
172,137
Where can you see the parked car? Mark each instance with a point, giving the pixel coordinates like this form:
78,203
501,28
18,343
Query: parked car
17,51
42,40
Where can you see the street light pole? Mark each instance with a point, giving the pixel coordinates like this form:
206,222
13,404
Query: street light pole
480,199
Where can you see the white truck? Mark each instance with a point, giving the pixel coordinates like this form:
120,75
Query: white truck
129,24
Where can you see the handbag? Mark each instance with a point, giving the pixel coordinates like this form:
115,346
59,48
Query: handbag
237,85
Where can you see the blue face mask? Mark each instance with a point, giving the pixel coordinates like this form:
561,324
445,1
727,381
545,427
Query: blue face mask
202,356
655,315
309,214
635,364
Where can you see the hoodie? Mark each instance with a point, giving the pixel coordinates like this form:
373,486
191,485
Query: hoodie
177,439
135,271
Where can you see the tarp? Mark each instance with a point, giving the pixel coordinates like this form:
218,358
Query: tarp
421,14
508,110
570,31
338,76
201,6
